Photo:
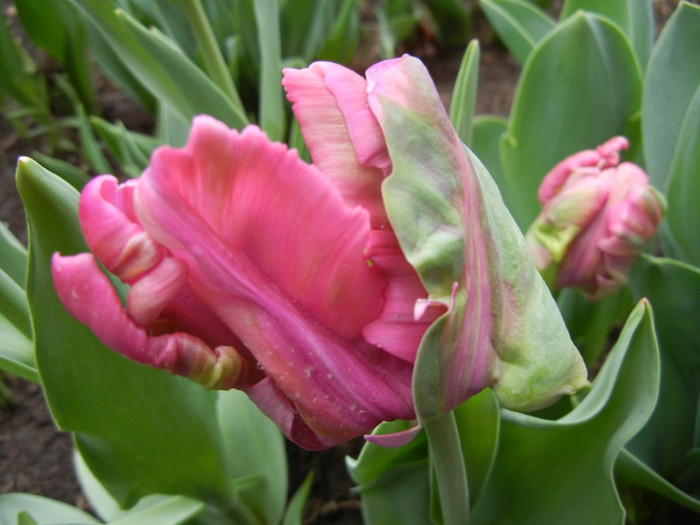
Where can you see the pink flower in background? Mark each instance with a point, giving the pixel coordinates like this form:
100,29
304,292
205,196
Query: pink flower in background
597,215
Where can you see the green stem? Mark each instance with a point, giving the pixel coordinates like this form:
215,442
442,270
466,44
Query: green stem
451,473
213,60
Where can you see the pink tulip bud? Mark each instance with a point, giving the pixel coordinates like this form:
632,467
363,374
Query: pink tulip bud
596,216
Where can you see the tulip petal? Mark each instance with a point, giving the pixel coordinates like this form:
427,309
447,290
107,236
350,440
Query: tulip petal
277,214
397,330
343,137
502,324
274,252
88,296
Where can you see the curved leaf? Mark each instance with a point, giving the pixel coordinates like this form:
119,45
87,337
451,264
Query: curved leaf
633,17
579,87
683,189
562,471
673,288
140,431
671,80
40,509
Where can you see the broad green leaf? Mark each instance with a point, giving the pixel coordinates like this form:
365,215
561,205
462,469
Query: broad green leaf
673,288
464,93
683,189
562,471
634,17
40,509
518,23
161,67
272,116
254,449
401,494
141,431
672,79
578,88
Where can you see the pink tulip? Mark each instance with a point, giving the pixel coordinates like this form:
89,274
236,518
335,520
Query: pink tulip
597,215
251,269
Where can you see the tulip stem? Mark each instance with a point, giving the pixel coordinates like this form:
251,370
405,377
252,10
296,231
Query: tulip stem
450,471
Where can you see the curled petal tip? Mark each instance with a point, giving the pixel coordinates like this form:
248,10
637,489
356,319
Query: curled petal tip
395,439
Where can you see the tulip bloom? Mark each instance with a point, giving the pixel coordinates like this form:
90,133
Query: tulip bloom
251,269
597,215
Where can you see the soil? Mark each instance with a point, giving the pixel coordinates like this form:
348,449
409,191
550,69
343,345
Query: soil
36,458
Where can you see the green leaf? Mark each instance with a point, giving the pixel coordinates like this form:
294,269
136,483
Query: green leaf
478,421
131,150
683,190
393,482
562,471
68,172
13,256
154,508
18,78
141,431
341,44
58,28
634,470
41,510
452,19
671,81
254,449
487,132
579,87
162,68
518,23
295,509
172,511
673,288
16,346
272,116
590,322
464,93
634,17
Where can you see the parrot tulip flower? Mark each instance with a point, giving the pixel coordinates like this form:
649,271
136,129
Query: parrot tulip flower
316,288
597,215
